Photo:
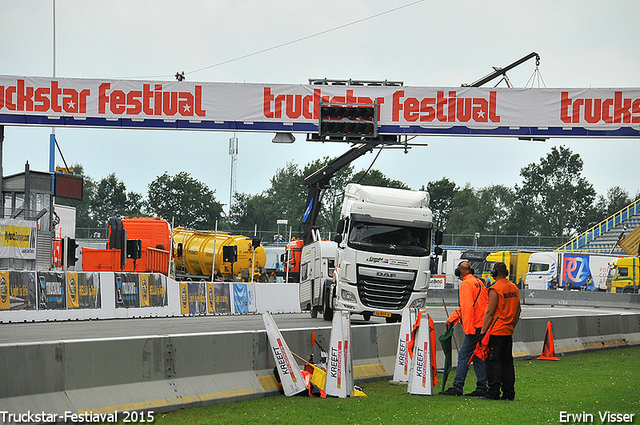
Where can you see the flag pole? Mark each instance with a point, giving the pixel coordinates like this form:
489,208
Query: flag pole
447,313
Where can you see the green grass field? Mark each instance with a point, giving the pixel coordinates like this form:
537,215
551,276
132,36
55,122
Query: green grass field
600,381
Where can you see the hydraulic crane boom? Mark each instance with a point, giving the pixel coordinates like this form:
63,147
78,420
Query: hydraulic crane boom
319,181
502,71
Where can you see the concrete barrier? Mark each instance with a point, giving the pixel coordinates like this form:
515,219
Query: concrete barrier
164,373
580,299
560,298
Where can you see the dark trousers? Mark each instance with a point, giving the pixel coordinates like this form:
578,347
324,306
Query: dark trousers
501,374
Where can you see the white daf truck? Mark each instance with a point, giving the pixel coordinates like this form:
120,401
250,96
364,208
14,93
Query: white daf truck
383,253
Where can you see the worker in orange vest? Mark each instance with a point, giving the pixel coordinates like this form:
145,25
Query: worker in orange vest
472,299
504,304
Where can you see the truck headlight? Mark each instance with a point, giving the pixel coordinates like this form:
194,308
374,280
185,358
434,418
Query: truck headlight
419,303
348,296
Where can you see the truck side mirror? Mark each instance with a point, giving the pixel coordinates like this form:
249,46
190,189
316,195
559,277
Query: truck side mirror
437,250
179,251
340,226
439,237
337,238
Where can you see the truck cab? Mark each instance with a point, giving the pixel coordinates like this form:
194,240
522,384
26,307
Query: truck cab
383,252
624,276
317,263
543,271
517,263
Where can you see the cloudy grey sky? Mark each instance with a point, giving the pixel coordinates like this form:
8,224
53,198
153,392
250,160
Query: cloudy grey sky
581,44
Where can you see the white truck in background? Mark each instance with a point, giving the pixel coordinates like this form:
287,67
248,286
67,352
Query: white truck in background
383,253
317,263
450,260
568,270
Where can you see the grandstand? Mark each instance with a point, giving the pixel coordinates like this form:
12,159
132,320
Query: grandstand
604,236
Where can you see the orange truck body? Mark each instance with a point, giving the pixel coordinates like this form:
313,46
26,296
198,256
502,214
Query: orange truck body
292,254
155,235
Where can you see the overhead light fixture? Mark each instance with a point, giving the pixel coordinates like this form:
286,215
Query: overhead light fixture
283,138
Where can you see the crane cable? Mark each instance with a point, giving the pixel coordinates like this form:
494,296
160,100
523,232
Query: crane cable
307,37
370,165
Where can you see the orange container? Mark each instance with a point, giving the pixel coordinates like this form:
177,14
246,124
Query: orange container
155,235
100,260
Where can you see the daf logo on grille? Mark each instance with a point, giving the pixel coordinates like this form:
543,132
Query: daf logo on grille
385,274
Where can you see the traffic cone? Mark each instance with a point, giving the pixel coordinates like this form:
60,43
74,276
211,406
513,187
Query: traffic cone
548,349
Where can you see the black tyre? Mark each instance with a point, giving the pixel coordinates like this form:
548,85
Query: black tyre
314,312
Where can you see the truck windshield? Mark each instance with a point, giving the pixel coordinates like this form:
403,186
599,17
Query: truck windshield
488,266
537,267
390,239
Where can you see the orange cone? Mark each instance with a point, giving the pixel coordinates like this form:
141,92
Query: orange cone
548,350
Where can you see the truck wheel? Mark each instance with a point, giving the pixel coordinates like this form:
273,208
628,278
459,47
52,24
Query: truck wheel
314,312
628,290
366,316
327,313
393,319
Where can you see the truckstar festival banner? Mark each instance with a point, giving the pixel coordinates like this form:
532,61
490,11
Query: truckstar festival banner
606,112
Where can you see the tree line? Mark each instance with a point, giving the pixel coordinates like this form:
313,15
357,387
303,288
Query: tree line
553,199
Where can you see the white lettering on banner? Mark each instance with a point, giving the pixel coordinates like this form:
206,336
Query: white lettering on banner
339,365
405,355
262,107
425,365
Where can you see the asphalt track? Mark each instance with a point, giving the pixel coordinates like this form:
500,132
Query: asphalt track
39,332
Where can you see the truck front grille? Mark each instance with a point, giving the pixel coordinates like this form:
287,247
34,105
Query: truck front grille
384,289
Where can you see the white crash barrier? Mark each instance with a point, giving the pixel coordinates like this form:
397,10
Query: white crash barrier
403,360
29,296
339,382
420,379
288,370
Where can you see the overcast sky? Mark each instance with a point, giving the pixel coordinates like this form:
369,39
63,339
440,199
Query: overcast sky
426,43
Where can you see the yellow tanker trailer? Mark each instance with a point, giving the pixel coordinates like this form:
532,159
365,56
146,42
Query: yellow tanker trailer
196,249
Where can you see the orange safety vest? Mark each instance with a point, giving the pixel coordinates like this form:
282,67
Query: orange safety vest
472,298
508,303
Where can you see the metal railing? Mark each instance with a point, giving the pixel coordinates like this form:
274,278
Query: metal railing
601,228
272,237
